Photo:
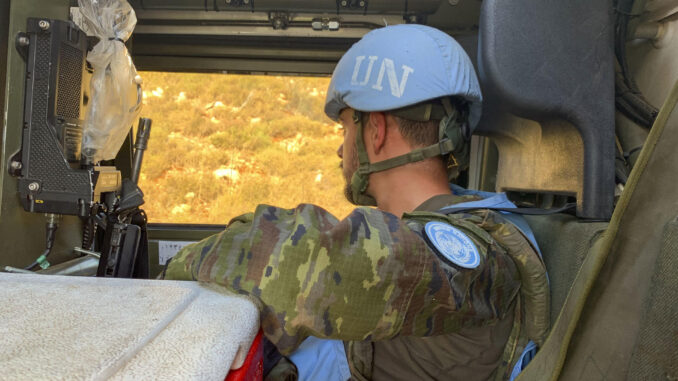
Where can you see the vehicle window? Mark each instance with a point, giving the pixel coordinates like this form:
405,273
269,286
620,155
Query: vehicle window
221,144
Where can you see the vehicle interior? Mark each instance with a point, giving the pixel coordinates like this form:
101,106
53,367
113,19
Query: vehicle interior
578,107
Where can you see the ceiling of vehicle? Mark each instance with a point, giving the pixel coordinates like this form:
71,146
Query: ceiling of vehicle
273,36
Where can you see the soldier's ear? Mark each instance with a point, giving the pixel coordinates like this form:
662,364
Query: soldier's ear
377,131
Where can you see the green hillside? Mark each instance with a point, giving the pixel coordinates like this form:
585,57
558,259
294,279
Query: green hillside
222,144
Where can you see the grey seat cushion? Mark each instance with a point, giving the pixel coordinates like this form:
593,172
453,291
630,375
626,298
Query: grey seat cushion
564,242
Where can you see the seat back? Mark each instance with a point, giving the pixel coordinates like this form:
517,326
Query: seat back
655,356
564,241
619,320
546,68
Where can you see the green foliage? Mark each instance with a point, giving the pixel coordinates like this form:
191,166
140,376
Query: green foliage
222,144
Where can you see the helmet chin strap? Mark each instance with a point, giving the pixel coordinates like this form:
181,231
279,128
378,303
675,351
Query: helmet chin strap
452,140
360,178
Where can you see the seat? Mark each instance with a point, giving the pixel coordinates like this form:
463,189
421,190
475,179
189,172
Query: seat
565,241
549,98
549,109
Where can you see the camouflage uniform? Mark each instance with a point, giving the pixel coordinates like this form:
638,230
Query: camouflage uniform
484,352
370,276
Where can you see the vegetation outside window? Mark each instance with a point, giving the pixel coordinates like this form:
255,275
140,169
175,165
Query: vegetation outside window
222,144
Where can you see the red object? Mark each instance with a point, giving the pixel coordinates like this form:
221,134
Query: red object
253,367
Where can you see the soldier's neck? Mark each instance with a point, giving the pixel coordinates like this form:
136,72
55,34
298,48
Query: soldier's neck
402,189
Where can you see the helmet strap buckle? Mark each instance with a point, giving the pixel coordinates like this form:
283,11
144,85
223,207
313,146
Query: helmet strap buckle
446,146
452,161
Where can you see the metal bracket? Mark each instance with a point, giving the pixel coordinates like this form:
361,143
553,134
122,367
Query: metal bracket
15,165
352,4
279,20
87,252
234,3
325,24
414,19
21,43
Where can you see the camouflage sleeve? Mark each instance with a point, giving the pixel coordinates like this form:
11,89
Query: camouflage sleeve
369,276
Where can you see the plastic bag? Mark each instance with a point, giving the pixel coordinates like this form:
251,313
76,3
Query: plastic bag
115,89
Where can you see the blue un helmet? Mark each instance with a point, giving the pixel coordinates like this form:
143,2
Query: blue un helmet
411,71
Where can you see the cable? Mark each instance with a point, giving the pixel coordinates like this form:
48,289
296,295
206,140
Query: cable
88,233
51,226
629,100
41,259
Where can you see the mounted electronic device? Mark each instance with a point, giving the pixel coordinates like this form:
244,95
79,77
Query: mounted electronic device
82,95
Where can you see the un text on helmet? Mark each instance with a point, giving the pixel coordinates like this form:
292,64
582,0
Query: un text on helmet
387,66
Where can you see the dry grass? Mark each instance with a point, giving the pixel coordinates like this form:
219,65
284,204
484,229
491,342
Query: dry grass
222,144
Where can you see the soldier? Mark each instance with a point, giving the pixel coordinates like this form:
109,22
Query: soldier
414,290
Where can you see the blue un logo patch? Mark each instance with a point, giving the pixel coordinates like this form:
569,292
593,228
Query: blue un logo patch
452,245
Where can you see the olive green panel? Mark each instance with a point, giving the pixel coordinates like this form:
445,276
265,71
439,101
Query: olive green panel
655,355
4,24
22,234
221,53
610,323
371,6
598,327
275,48
564,242
211,64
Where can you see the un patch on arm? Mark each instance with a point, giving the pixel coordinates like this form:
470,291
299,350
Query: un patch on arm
452,245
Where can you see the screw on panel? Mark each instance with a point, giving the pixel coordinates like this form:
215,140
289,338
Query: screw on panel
246,2
43,24
23,41
15,165
362,4
453,2
344,3
279,20
33,187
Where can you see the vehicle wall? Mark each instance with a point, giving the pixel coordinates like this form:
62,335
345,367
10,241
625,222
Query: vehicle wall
163,42
22,234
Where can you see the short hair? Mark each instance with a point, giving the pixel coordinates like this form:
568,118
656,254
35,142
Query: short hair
418,134
423,134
